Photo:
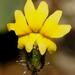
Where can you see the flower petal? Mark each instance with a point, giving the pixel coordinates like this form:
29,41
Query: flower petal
42,13
51,28
35,17
45,44
22,41
20,27
29,10
61,31
31,41
57,31
54,18
51,22
42,45
51,46
11,26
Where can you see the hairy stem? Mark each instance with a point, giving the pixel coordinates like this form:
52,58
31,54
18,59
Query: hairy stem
35,61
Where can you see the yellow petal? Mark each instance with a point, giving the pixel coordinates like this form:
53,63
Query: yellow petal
51,46
51,28
36,17
21,25
42,13
29,10
11,26
42,45
22,41
56,32
51,22
61,31
45,44
54,18
31,41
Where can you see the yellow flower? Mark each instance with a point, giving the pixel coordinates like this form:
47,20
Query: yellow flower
35,28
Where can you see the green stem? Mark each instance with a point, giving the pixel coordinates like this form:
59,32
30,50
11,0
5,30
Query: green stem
34,72
35,61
